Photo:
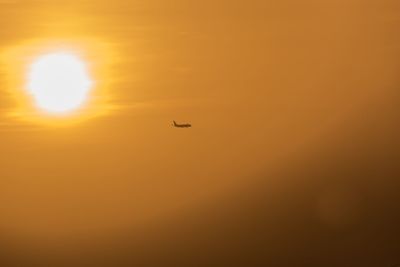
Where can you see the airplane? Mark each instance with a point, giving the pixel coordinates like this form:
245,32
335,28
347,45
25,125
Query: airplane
186,125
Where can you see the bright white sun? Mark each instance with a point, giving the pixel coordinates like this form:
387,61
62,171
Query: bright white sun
59,82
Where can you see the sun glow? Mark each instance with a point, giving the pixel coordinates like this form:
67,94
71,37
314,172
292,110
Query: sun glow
59,83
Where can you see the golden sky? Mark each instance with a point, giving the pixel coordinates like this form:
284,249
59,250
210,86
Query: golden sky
263,82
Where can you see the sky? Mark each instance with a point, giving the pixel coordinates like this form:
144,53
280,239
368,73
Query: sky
292,158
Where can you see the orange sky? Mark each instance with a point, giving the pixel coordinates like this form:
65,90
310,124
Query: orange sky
262,82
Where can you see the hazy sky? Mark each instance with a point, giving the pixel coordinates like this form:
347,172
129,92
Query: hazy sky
291,103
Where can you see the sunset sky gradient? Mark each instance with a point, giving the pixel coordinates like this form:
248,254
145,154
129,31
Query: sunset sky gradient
293,155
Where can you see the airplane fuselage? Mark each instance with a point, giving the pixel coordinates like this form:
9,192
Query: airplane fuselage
186,125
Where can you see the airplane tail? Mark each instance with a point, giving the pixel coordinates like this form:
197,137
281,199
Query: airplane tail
175,123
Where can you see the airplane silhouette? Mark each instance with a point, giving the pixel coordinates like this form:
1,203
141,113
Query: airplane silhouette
186,125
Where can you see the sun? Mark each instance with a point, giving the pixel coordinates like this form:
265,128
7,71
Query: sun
58,83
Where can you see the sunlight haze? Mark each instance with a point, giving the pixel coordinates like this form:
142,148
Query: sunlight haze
90,90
